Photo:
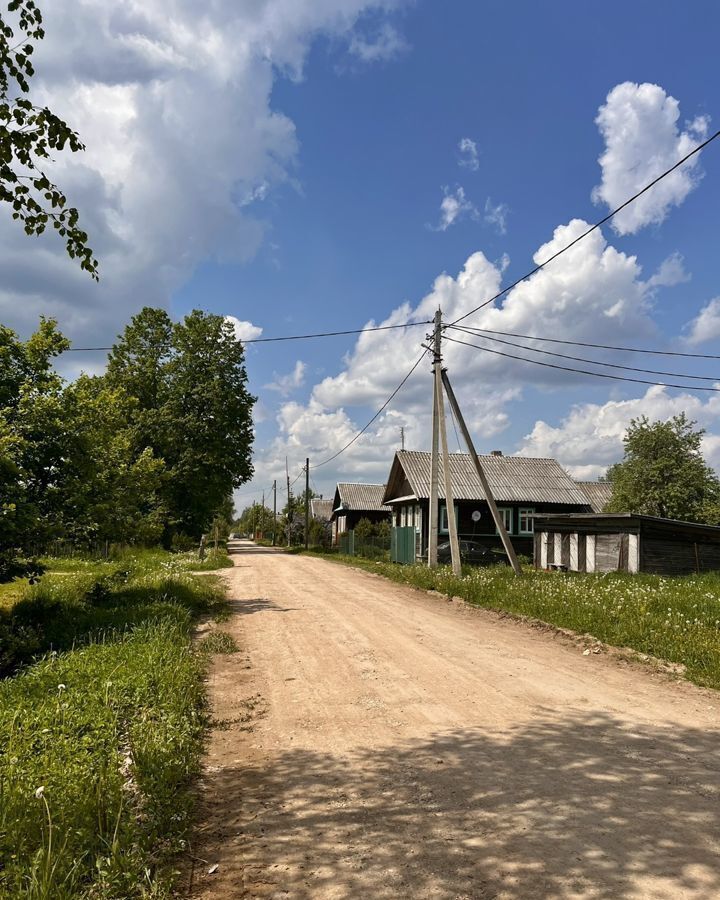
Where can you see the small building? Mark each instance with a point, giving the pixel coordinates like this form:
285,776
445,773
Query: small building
321,509
624,542
522,487
353,502
597,493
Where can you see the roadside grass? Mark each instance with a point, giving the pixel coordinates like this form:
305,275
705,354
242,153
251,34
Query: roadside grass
670,618
99,744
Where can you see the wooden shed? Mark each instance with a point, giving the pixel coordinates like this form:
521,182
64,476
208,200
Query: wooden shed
623,542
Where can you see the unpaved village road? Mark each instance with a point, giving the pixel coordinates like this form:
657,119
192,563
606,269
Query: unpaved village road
373,741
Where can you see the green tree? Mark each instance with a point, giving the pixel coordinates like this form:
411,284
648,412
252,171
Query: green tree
194,410
29,137
664,474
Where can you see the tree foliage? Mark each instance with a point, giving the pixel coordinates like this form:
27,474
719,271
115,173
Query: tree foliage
30,135
664,474
150,451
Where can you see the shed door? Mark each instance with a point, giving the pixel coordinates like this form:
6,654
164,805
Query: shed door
607,552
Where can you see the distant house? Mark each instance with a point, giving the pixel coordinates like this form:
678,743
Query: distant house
598,493
353,502
623,542
521,486
321,509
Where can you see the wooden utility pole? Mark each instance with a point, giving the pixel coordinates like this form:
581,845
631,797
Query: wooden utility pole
433,506
307,502
289,505
402,438
499,524
274,511
447,478
262,517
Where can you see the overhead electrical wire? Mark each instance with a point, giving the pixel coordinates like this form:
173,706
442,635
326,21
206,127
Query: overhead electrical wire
534,337
382,409
584,359
537,362
288,337
592,228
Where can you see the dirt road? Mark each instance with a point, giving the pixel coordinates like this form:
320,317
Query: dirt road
373,741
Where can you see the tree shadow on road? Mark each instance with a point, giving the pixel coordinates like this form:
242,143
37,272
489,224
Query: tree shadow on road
587,806
256,605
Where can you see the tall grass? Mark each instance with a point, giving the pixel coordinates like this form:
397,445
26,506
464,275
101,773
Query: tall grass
672,618
98,744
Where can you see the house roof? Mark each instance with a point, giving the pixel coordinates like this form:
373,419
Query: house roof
359,497
512,479
598,493
321,509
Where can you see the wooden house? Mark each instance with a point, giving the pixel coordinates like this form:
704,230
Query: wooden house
353,502
624,542
321,509
522,487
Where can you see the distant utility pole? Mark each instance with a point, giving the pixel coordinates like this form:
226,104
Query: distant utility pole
262,517
274,510
307,502
402,438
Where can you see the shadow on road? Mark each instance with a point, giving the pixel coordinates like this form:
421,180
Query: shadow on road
237,548
247,607
583,807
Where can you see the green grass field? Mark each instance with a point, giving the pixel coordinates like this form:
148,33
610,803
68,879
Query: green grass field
673,619
100,738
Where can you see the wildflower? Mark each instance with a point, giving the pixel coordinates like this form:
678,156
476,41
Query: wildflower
62,687
40,792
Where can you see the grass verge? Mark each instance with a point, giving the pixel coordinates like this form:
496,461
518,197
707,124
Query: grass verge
99,744
674,619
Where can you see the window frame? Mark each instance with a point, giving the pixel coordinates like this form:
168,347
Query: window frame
528,512
443,518
507,516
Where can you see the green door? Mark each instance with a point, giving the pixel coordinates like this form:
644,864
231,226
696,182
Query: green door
402,544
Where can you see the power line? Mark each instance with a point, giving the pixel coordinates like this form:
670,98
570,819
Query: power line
537,362
288,337
591,229
534,337
584,359
382,409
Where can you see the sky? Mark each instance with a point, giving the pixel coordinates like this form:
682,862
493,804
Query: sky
321,165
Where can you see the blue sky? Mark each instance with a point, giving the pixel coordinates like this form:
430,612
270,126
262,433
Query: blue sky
287,163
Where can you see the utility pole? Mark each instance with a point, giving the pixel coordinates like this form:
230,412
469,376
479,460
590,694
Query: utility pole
289,506
433,508
274,510
262,517
499,524
307,502
402,438
447,478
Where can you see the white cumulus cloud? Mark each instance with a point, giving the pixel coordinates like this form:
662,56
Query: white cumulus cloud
496,214
706,325
639,124
286,384
244,331
385,44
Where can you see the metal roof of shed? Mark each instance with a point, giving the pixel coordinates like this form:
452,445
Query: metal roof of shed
359,497
519,479
598,493
321,509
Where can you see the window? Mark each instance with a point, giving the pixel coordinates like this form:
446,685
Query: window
506,514
444,518
526,522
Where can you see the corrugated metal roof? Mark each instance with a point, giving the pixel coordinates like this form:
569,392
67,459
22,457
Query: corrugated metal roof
512,478
321,509
367,497
598,493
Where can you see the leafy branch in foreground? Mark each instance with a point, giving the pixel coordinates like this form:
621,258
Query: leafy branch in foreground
28,136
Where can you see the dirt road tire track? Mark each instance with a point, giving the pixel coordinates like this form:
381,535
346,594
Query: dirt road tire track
374,742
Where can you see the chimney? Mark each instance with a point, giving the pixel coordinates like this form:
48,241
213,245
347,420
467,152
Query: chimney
496,453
